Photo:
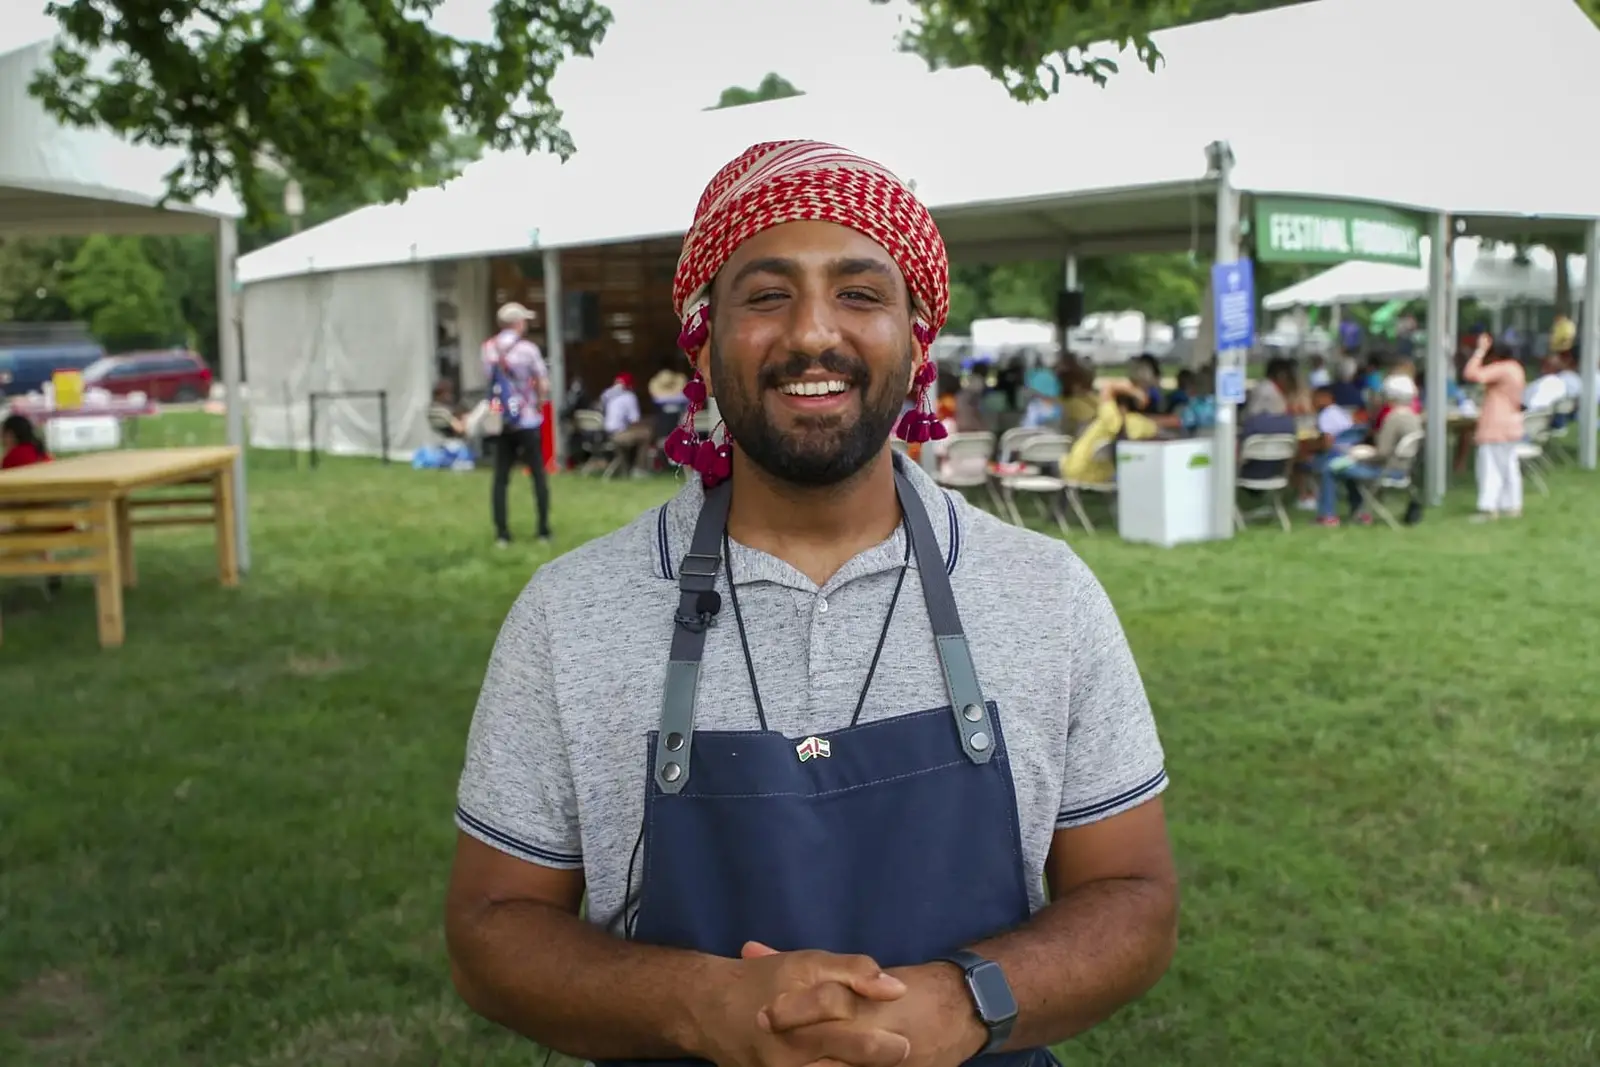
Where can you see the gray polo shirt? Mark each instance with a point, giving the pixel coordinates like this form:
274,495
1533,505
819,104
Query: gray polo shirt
556,758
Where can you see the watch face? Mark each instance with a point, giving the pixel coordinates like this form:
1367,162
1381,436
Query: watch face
992,993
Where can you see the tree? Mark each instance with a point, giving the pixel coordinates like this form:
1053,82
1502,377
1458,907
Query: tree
236,82
1031,45
773,87
123,297
33,279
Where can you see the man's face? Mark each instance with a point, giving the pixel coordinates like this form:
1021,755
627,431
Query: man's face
811,351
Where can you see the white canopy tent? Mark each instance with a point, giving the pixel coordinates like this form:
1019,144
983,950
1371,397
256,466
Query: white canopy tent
1122,168
60,181
1494,278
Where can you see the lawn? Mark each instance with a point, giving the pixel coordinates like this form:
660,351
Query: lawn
226,843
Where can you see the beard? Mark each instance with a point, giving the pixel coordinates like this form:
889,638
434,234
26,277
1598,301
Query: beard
822,450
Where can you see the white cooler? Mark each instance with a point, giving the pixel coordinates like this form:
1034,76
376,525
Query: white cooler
1164,491
88,433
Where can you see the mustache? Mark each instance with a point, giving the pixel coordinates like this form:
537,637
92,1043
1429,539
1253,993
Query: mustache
848,368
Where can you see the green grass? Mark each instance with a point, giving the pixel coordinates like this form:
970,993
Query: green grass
226,843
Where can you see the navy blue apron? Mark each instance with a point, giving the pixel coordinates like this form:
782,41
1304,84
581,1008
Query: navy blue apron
896,838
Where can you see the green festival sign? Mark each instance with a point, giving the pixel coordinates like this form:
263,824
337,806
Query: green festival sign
1332,231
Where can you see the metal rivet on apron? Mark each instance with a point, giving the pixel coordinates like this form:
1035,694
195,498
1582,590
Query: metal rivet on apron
671,772
972,713
980,741
674,742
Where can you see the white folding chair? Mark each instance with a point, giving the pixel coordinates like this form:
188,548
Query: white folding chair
1012,440
1561,444
1530,450
1279,448
603,455
964,464
1396,477
1037,452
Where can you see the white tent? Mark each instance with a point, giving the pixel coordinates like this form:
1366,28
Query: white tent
55,180
1494,278
60,181
1111,150
1093,170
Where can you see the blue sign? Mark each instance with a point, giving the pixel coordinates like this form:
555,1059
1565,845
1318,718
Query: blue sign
1230,385
1233,288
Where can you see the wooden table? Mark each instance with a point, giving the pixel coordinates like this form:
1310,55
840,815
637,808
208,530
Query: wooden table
77,516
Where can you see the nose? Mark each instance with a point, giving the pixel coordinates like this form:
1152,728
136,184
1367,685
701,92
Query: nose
813,324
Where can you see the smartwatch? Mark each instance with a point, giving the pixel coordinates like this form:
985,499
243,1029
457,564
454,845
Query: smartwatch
991,996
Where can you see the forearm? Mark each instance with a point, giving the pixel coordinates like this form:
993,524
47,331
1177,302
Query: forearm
570,986
1473,371
1083,957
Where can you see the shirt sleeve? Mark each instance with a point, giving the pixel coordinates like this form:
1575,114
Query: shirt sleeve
1114,760
516,791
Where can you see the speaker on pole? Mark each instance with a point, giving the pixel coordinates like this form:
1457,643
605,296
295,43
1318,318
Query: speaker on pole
1069,308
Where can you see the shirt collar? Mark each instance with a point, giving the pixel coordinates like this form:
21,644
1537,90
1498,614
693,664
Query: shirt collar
675,521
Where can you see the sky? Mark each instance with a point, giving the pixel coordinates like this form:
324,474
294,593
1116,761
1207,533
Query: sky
671,57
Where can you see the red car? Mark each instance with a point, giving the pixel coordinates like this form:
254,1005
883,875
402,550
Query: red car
176,377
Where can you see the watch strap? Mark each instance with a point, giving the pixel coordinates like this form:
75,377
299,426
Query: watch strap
999,1029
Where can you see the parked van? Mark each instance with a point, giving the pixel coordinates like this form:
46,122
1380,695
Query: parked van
25,370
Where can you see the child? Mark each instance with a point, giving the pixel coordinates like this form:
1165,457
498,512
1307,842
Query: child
20,445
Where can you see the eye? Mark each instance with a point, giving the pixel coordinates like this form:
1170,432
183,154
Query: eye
861,294
766,296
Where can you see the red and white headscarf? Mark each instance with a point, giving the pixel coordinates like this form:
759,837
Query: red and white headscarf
793,181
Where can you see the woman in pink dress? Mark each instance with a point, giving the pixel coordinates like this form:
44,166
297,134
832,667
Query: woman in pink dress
1499,428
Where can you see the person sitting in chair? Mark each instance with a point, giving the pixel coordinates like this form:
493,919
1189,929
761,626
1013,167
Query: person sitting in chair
1119,416
630,435
1399,392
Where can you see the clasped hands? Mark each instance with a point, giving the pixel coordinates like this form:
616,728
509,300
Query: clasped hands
820,1009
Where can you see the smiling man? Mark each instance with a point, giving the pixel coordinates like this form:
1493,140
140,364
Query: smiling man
814,737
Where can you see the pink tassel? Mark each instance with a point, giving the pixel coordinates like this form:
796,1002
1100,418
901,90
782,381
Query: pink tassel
679,446
695,392
937,431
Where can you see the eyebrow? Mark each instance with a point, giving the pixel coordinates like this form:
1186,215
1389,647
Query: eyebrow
838,268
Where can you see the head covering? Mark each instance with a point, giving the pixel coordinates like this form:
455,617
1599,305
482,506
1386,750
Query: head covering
667,384
1398,389
1563,335
624,379
513,313
1043,380
791,181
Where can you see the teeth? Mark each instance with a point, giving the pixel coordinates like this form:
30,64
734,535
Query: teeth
813,388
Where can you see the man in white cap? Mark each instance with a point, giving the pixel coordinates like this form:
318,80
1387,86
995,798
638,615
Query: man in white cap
519,385
1401,422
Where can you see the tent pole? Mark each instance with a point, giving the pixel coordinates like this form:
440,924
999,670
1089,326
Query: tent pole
1224,436
1589,349
233,377
555,346
1438,364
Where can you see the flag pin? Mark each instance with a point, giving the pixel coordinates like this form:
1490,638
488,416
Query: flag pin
813,748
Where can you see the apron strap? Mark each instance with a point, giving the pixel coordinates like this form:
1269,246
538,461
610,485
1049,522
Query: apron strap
949,640
698,604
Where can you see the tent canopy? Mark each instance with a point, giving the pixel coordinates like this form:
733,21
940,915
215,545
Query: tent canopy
1119,168
58,181
1489,277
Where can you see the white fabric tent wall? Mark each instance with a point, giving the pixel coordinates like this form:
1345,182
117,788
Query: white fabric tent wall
341,332
1490,278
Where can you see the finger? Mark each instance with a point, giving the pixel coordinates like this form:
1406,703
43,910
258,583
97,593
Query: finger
754,950
880,986
828,1002
851,1044
860,973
